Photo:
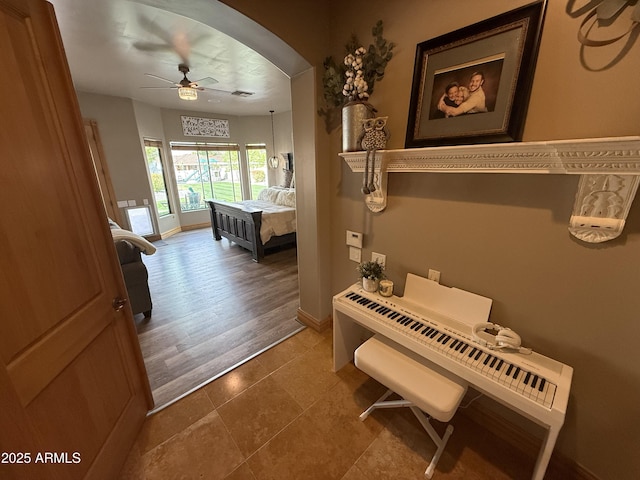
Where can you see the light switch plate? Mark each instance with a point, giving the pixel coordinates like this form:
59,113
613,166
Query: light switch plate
355,254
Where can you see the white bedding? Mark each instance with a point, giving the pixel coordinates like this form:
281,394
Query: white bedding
278,207
276,219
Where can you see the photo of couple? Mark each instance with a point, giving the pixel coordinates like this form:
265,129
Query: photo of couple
466,91
473,85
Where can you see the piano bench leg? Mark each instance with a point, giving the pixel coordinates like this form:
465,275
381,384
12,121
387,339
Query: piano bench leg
401,373
440,442
378,404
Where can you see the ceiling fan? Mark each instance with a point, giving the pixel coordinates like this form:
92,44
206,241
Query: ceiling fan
187,90
181,43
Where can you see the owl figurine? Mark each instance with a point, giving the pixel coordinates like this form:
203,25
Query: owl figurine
374,137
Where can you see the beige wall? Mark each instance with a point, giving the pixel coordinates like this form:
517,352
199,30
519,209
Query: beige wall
123,124
121,143
503,236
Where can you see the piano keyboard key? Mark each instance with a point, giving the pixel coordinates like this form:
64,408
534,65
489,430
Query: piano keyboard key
527,384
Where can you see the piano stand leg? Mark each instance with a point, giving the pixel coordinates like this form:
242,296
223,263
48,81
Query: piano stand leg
545,453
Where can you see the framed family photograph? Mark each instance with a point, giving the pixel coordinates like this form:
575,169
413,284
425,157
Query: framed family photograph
473,85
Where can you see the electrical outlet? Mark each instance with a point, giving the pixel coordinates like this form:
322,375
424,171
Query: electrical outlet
380,258
434,275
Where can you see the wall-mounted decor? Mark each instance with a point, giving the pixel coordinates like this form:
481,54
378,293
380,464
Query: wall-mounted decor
609,171
605,13
204,127
473,85
351,82
604,16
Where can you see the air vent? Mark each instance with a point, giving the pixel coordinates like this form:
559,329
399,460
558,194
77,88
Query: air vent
240,93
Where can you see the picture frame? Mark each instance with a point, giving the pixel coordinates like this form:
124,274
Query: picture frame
447,106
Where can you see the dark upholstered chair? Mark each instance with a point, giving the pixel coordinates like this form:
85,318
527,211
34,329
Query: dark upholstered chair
135,276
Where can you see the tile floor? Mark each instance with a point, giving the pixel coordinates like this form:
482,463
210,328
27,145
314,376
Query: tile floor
285,415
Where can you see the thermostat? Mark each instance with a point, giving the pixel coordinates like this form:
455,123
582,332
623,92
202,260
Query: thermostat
354,239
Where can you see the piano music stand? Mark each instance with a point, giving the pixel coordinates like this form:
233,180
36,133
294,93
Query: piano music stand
421,387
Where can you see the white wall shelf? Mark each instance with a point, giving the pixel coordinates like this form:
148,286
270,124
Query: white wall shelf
609,170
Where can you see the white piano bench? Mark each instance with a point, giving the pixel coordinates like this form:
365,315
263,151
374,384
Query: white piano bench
422,389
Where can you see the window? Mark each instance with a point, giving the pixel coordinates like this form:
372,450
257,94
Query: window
206,171
153,152
257,161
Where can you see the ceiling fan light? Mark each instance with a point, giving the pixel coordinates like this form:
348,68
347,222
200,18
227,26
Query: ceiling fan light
187,93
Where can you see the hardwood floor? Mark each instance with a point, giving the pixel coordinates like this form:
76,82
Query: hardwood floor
213,308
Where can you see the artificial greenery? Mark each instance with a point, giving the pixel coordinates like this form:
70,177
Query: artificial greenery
361,66
371,270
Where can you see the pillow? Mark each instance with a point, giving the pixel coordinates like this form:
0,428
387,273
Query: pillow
287,198
268,195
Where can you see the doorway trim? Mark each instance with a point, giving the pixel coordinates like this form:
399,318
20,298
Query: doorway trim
102,170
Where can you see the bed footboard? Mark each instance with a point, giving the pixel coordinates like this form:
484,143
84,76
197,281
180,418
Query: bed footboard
238,225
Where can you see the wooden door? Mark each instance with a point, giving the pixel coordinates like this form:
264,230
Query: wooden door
73,388
102,171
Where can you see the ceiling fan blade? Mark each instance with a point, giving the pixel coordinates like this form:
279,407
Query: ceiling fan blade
164,88
154,29
160,78
216,90
180,41
206,81
152,47
181,46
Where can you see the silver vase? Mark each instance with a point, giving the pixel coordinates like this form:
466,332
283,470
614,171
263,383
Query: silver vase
353,114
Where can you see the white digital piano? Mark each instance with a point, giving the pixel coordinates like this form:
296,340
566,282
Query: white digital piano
436,322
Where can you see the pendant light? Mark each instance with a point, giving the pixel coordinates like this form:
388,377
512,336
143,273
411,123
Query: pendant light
273,161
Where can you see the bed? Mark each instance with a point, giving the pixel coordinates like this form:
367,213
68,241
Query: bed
257,225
